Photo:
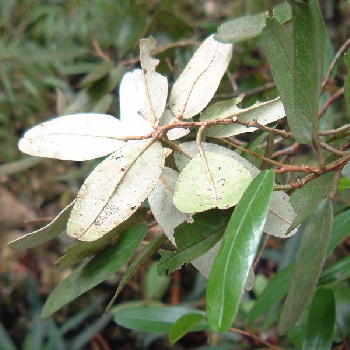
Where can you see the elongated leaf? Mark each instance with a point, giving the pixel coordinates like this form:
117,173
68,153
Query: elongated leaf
342,297
157,319
81,250
230,271
309,43
197,84
281,213
193,240
277,46
96,270
155,284
46,233
308,266
337,272
6,341
145,254
321,320
74,137
184,325
264,113
197,191
115,189
248,27
341,229
155,84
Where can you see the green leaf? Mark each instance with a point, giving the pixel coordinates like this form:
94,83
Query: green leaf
81,250
6,341
316,231
157,319
46,233
337,272
309,43
156,285
321,320
183,325
217,182
193,240
145,253
241,28
342,297
263,113
95,270
344,184
248,27
272,294
230,271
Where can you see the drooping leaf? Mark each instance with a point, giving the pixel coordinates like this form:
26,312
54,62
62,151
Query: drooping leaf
44,234
193,240
309,42
321,321
230,271
157,319
81,250
95,270
74,137
144,254
272,294
198,82
281,213
249,27
115,189
184,325
155,285
277,45
155,84
342,297
263,113
315,232
337,272
219,183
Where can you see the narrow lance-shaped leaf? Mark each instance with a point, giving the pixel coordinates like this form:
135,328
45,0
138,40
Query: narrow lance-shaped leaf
197,191
337,272
263,113
321,321
230,271
74,137
44,234
96,270
309,42
115,189
316,231
197,84
184,325
281,213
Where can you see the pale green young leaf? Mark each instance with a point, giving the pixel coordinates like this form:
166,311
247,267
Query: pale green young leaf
321,321
315,232
281,213
95,270
197,191
198,82
155,284
115,189
184,325
263,113
230,271
44,234
74,137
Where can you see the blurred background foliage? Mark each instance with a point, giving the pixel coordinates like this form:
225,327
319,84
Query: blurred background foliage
60,57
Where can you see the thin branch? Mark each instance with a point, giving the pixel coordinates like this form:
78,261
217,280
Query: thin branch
331,100
288,150
261,252
340,130
177,147
338,55
332,149
255,337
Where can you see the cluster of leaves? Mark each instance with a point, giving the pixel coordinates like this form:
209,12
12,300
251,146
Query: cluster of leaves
192,186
